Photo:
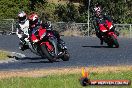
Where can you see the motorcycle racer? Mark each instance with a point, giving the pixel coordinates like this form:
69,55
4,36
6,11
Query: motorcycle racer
44,40
22,27
35,23
99,18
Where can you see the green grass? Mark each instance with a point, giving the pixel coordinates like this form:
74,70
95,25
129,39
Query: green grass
3,55
62,81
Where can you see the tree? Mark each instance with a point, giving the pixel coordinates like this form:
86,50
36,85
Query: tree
32,3
10,8
72,12
67,12
61,12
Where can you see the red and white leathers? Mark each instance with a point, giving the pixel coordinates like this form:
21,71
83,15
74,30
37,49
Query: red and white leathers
35,24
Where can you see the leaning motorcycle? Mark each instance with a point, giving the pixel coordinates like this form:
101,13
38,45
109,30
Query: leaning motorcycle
108,34
45,44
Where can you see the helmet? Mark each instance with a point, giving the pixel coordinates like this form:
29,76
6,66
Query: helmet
97,9
22,17
33,19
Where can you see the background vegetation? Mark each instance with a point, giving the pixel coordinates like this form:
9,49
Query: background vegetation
119,10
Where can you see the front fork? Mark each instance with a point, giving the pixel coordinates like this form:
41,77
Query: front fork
54,42
112,34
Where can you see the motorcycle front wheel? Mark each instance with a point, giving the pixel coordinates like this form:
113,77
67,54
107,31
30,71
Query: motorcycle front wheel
48,53
113,42
66,56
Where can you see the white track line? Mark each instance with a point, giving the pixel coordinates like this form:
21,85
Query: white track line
20,54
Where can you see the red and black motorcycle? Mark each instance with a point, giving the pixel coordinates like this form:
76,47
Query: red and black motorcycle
108,34
45,44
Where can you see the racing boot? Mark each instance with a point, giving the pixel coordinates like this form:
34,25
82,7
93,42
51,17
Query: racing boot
23,46
62,44
62,47
116,32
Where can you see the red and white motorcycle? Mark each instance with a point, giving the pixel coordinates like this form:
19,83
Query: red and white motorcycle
108,34
45,44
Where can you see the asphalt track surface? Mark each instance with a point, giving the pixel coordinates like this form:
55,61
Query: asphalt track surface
84,51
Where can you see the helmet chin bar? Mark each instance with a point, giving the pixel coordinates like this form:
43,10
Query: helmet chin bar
23,21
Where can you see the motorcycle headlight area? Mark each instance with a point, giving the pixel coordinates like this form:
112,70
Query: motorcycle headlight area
104,30
111,26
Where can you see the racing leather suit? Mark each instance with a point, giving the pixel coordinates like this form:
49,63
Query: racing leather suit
22,31
49,28
98,20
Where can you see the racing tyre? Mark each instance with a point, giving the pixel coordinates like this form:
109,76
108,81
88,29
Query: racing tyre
66,56
48,53
115,42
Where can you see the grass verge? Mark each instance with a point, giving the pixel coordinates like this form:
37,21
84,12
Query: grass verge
3,55
62,81
65,78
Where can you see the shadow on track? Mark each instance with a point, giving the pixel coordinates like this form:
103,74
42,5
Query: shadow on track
98,46
33,59
43,62
28,58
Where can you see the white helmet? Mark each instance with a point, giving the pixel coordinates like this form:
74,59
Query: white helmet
98,9
22,17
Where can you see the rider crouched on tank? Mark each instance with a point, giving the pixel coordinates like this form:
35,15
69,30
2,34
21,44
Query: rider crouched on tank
36,23
22,27
100,18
